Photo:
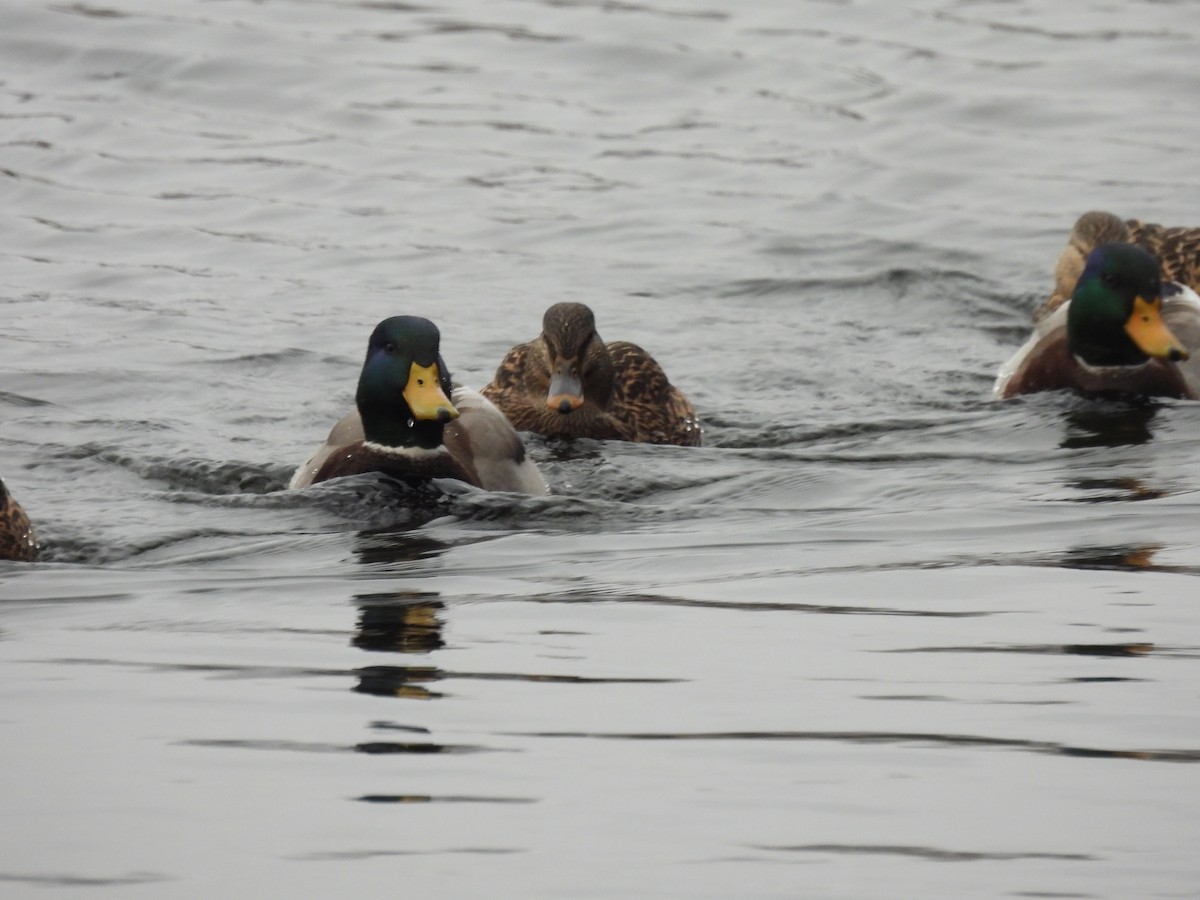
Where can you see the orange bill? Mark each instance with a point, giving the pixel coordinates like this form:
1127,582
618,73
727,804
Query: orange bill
1148,330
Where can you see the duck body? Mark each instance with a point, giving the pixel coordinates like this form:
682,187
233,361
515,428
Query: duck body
1118,329
413,424
567,383
1046,363
17,540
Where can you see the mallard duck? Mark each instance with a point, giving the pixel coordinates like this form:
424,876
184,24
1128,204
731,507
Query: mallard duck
1116,328
1177,251
567,383
412,423
17,540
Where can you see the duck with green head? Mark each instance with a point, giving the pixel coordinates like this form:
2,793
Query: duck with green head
413,423
568,383
17,540
1122,332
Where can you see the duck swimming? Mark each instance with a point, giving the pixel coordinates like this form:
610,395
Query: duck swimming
1113,326
567,383
17,540
412,423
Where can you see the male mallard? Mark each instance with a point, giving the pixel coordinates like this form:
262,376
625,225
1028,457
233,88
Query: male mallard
567,383
412,423
16,534
1112,325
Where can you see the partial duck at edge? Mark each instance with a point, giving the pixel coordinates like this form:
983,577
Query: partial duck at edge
1113,326
17,540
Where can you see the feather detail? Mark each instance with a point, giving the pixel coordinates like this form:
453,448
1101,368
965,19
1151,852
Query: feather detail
17,540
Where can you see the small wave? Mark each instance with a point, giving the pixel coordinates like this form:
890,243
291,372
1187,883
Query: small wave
22,400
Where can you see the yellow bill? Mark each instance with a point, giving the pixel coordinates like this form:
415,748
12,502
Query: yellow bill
1148,330
425,397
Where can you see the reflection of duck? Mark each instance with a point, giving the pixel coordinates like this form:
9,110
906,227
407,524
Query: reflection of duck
17,540
1120,489
1134,558
399,623
567,383
404,682
1109,425
407,622
411,423
1120,329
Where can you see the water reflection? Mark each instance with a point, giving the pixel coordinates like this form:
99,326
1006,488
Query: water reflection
1132,558
906,738
1109,425
399,622
408,682
396,546
1115,649
1117,490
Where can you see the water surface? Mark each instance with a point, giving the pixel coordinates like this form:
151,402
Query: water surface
880,636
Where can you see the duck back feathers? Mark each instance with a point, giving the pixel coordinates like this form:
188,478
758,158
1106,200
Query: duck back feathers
17,540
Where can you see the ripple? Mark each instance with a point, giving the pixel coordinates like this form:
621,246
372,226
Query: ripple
932,854
371,748
427,798
872,737
360,855
1111,650
71,881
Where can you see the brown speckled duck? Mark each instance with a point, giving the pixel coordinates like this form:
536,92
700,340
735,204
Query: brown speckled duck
17,540
1176,249
413,424
567,383
1123,319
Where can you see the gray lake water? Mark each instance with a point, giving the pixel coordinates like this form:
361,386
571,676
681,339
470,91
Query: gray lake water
880,637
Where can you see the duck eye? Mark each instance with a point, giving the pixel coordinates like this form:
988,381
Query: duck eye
389,347
1110,279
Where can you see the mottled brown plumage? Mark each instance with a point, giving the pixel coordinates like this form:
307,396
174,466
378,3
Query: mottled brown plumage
17,540
567,383
1177,251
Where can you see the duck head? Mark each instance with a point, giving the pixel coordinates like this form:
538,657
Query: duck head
580,368
404,390
1115,316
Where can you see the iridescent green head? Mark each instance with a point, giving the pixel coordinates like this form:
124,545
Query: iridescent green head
1115,316
404,390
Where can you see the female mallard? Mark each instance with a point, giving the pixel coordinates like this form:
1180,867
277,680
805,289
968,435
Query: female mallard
412,423
1117,327
568,383
1177,251
16,534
